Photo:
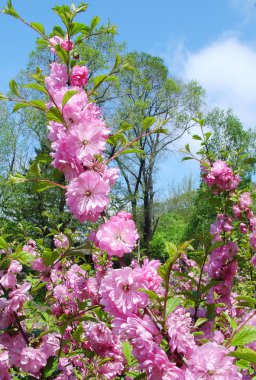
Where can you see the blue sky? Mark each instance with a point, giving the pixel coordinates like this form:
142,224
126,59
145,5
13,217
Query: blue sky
212,41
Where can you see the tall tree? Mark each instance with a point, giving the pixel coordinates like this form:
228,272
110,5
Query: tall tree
149,97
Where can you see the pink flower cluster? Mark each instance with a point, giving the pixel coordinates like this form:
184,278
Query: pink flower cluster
118,235
243,212
13,295
78,143
222,224
222,267
145,339
66,44
220,177
210,361
179,325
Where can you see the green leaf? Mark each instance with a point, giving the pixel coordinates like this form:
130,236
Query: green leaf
185,275
249,161
38,27
187,148
134,151
42,43
40,186
78,28
44,158
2,97
245,335
151,294
51,367
14,87
57,31
99,79
34,170
64,13
55,115
23,257
196,137
171,305
187,158
94,22
62,54
200,321
37,87
3,244
231,321
212,283
38,104
207,135
117,61
140,376
77,334
17,106
148,122
163,269
17,178
49,256
68,95
245,354
127,351
10,10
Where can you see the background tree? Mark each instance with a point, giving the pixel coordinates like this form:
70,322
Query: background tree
148,96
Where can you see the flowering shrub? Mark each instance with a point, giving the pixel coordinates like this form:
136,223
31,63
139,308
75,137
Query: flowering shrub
66,317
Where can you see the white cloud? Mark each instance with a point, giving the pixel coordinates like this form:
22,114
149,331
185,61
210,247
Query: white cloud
226,69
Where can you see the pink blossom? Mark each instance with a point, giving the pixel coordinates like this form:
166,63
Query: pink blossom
253,240
120,291
237,211
117,236
32,360
145,339
6,315
85,140
55,130
222,224
100,337
110,175
72,111
153,281
15,344
58,77
55,40
61,293
67,45
8,281
50,344
221,177
39,265
210,361
71,166
245,201
220,257
253,260
79,76
112,368
87,196
15,267
19,296
243,228
30,247
61,241
4,363
179,325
